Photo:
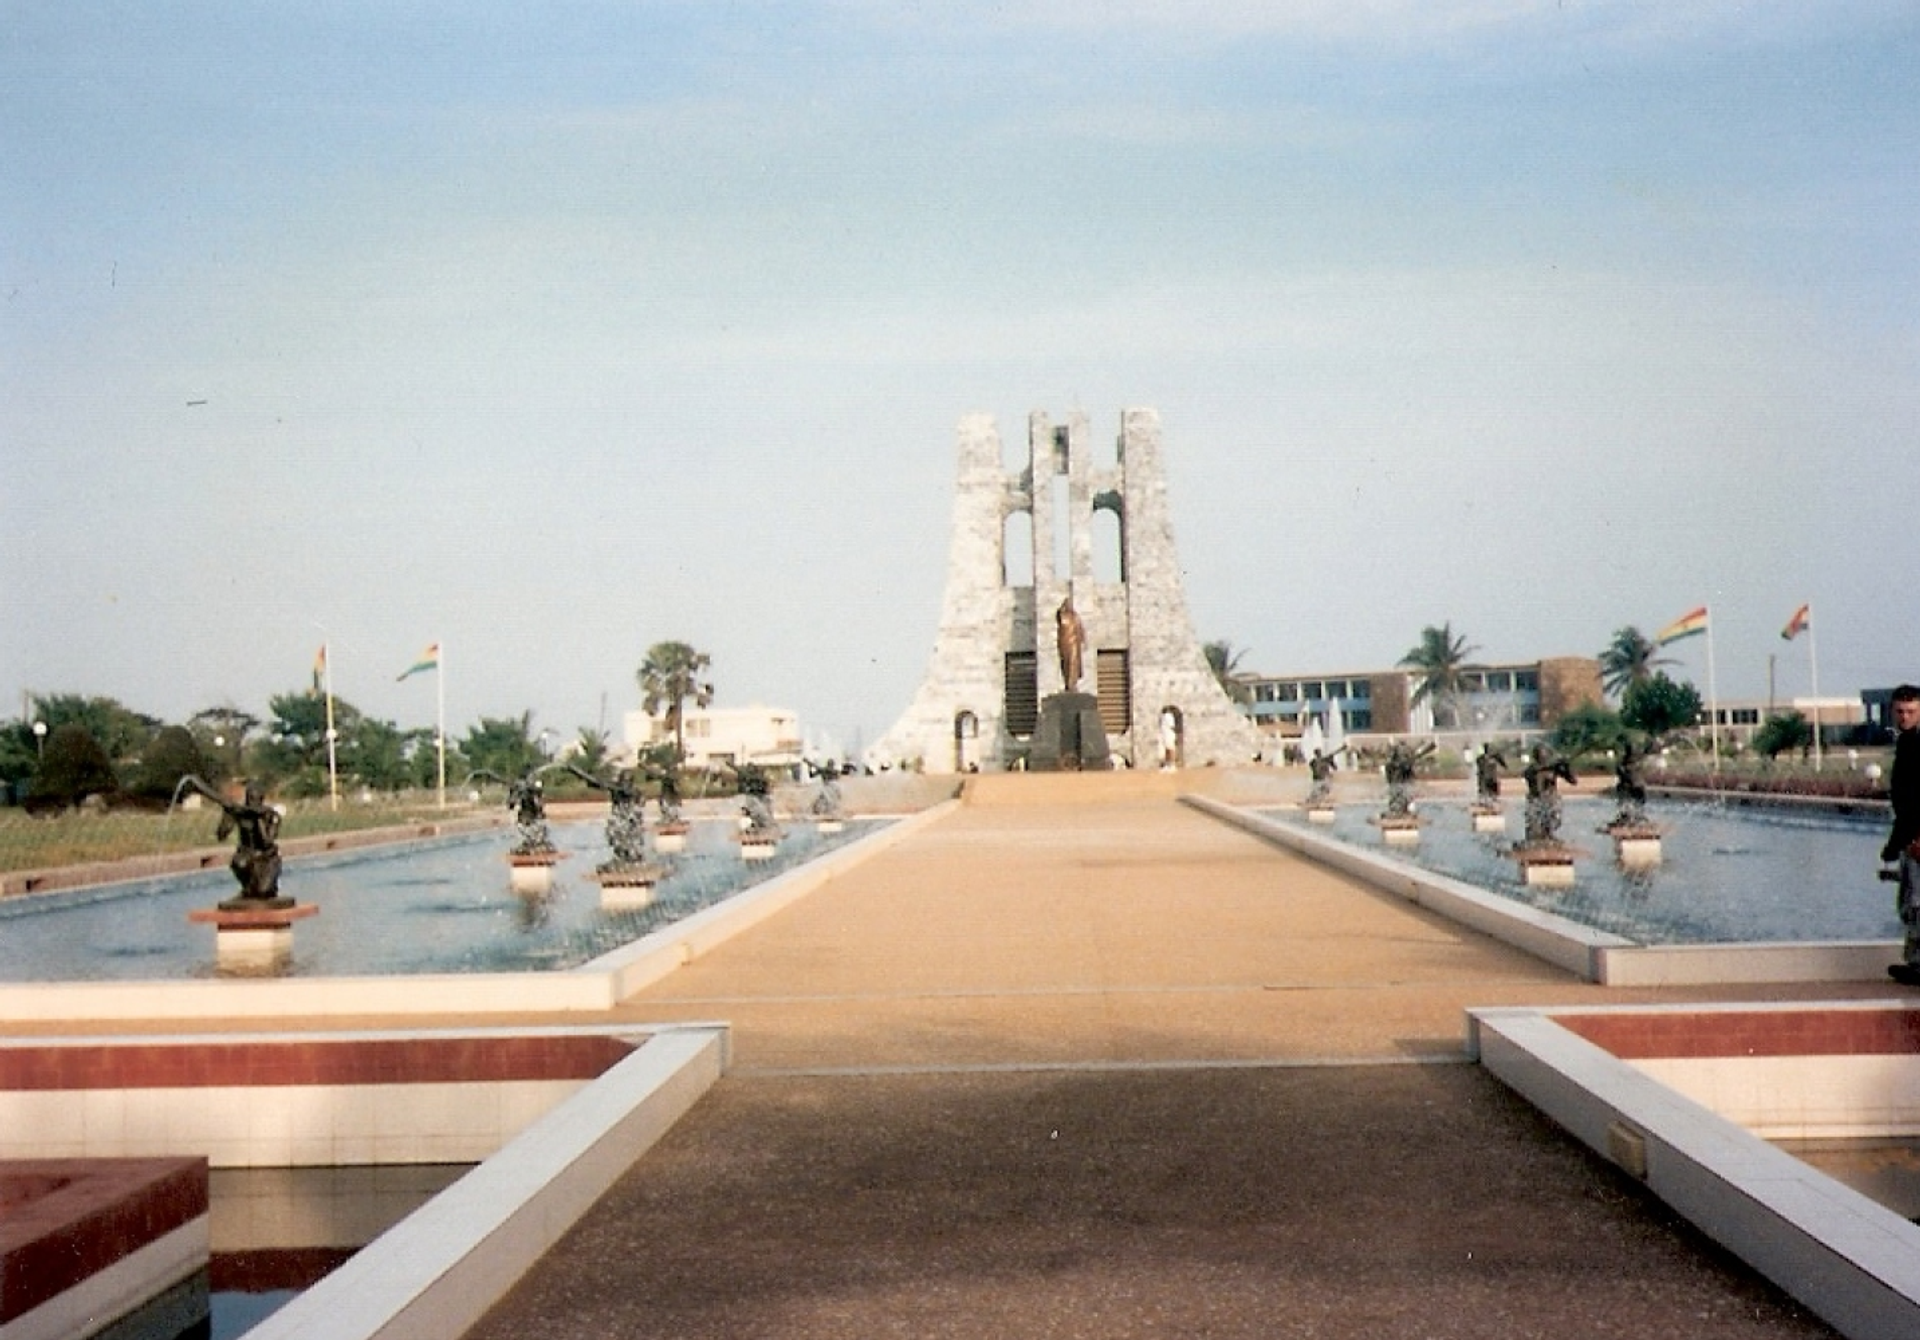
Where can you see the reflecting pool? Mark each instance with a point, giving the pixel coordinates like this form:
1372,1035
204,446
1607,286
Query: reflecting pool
443,905
1728,874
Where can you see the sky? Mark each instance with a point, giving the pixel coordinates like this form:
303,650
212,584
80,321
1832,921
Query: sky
553,332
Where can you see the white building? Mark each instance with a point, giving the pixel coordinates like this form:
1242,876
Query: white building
723,736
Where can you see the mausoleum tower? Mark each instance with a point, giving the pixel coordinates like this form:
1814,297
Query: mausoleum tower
1065,526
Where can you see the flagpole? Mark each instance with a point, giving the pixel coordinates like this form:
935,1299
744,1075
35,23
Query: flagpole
1813,663
440,729
1713,695
333,767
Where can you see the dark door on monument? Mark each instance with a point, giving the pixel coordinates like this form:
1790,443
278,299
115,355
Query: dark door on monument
1113,684
1021,708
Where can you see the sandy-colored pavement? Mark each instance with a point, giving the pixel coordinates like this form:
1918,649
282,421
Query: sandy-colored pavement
1078,1060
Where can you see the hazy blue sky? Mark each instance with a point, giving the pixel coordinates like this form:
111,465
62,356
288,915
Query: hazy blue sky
556,331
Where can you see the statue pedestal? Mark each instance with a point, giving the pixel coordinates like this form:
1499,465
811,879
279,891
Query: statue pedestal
628,888
1069,736
1488,818
670,839
1399,830
828,827
531,872
759,846
1320,814
253,935
1545,865
1636,846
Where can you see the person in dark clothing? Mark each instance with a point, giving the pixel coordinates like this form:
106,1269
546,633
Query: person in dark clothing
1903,843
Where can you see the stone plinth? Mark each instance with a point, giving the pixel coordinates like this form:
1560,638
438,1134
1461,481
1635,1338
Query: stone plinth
1069,737
828,827
253,935
670,839
1320,814
531,872
1635,845
1547,865
1488,818
628,888
1398,830
758,846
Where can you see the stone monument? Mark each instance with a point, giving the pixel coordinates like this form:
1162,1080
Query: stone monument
993,697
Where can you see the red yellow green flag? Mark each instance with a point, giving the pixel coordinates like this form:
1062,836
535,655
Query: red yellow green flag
1693,621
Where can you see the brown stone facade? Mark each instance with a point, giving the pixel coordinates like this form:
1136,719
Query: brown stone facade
1567,683
1392,705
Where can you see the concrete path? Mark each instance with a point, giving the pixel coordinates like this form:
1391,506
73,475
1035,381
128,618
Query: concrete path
1078,1060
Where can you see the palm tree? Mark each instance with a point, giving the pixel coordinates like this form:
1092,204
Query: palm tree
1629,659
1223,658
668,677
1438,663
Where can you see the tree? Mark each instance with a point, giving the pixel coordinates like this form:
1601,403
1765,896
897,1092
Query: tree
73,768
669,676
1439,663
1589,729
1659,705
1223,658
590,749
222,733
121,732
1784,731
504,746
1629,659
294,754
171,754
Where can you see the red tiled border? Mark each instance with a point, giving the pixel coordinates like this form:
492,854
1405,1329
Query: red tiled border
123,1065
1813,1032
82,1215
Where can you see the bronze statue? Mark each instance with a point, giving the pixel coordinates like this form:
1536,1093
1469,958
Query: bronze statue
1629,785
1544,775
1401,759
255,827
626,823
1486,773
526,797
1071,635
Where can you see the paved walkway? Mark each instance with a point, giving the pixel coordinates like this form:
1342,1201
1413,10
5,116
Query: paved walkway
1077,1060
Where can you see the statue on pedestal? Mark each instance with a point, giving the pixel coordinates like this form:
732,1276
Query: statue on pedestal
255,827
1544,775
1071,636
626,824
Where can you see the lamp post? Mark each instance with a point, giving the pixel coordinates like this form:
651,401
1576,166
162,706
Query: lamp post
40,740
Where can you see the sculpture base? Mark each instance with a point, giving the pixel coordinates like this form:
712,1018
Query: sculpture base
1635,845
628,888
253,936
1320,814
828,827
1069,736
1488,818
1545,865
1398,830
758,846
670,839
531,872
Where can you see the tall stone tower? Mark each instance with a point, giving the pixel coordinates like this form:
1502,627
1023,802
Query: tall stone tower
994,657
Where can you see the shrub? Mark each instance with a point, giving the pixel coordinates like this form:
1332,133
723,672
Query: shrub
73,767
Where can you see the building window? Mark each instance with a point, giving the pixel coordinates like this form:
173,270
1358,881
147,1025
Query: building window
1360,719
1499,681
1286,693
1526,681
1313,690
1362,693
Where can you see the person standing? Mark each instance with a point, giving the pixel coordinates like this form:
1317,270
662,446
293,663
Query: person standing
1903,843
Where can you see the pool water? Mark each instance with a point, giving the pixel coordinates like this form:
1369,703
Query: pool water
444,905
1727,874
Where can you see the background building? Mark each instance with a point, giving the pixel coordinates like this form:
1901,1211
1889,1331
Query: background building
1508,699
723,736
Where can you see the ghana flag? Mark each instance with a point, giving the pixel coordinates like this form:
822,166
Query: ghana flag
1693,621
